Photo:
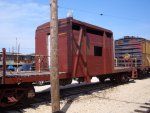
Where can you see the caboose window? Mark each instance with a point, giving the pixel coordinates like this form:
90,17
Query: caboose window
109,35
97,51
75,27
94,31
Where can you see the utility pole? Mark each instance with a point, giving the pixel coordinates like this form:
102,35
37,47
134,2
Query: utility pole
54,74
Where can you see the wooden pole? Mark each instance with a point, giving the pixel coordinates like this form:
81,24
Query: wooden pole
4,65
54,78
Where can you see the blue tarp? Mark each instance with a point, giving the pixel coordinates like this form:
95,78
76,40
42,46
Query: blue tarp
10,67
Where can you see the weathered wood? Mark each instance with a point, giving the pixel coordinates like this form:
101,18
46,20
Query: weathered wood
55,97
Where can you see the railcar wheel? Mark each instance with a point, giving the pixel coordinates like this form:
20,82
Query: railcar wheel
40,83
112,79
127,78
13,94
123,78
141,74
30,91
64,82
101,79
81,79
118,79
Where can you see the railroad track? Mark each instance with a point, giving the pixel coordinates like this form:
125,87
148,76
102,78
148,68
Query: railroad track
65,92
71,93
75,91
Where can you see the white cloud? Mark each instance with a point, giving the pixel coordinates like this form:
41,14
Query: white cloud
23,10
19,20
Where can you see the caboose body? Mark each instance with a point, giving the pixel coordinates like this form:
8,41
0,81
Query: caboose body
84,50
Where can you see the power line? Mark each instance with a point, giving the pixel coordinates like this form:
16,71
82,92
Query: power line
79,10
101,14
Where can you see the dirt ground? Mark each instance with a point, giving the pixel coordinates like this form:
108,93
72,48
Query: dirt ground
127,98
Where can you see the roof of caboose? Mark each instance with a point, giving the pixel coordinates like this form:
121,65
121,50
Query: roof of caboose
69,20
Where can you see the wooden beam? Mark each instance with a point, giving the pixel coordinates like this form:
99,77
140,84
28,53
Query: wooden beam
78,52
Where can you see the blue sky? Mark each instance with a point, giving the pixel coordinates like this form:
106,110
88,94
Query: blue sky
19,18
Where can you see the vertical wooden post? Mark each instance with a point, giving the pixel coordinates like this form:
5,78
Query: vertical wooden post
78,52
4,65
39,63
54,78
104,52
17,52
86,74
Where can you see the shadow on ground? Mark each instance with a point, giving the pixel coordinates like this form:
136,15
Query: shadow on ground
145,108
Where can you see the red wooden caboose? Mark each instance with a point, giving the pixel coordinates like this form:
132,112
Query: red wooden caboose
84,50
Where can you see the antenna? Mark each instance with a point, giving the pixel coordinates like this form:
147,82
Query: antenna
16,44
70,13
12,49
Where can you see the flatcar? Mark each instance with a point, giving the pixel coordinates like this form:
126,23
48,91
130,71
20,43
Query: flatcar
84,51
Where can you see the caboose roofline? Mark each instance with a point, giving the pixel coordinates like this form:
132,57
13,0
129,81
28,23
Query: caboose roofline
73,21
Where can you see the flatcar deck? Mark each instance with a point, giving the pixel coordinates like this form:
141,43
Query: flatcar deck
24,73
117,68
122,69
28,76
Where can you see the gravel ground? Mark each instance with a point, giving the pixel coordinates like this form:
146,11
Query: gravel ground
121,99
